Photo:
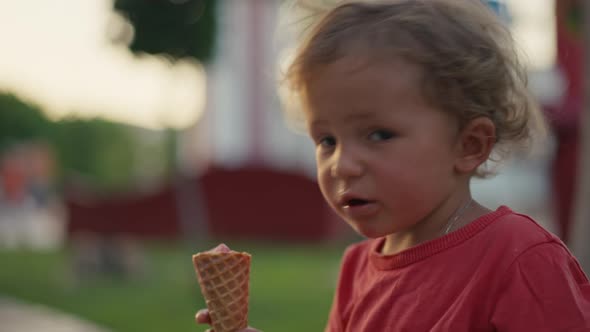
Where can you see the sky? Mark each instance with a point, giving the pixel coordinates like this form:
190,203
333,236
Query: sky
56,53
534,30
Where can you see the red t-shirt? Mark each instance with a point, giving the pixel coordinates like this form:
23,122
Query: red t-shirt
502,272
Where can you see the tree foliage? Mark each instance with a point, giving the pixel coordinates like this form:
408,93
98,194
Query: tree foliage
99,150
20,121
178,28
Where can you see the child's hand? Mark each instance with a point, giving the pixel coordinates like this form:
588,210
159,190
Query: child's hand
202,317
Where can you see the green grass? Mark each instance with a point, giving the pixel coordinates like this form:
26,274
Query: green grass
291,288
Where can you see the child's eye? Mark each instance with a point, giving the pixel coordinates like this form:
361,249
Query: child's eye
380,135
327,141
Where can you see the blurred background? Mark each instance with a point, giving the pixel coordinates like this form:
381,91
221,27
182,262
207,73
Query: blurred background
134,133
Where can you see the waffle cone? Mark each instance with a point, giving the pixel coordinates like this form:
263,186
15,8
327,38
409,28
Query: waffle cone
224,278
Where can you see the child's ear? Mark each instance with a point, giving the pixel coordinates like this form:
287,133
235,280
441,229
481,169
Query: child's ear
475,144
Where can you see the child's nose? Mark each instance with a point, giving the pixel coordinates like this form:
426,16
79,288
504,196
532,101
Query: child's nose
346,165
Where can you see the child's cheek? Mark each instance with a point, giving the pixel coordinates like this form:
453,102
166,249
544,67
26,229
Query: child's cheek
325,185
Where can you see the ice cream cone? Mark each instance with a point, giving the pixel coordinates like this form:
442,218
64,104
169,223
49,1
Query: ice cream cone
224,276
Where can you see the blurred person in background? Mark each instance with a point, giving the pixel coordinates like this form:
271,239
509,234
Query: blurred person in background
29,209
406,101
13,196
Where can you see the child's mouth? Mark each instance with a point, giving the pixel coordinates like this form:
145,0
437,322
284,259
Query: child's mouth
356,202
356,208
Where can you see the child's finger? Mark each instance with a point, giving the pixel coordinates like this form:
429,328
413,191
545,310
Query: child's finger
202,317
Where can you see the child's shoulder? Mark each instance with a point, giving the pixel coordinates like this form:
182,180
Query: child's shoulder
516,233
538,265
519,228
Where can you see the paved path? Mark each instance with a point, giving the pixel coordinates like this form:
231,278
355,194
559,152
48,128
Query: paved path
17,316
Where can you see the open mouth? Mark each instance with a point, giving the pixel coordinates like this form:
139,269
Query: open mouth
357,207
356,202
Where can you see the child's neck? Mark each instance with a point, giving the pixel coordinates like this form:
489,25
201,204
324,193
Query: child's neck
400,241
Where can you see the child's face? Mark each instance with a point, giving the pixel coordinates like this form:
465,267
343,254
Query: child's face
385,157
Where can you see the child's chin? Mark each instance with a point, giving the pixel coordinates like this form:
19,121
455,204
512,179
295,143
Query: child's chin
370,233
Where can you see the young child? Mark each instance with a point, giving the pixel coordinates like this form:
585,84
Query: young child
406,101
